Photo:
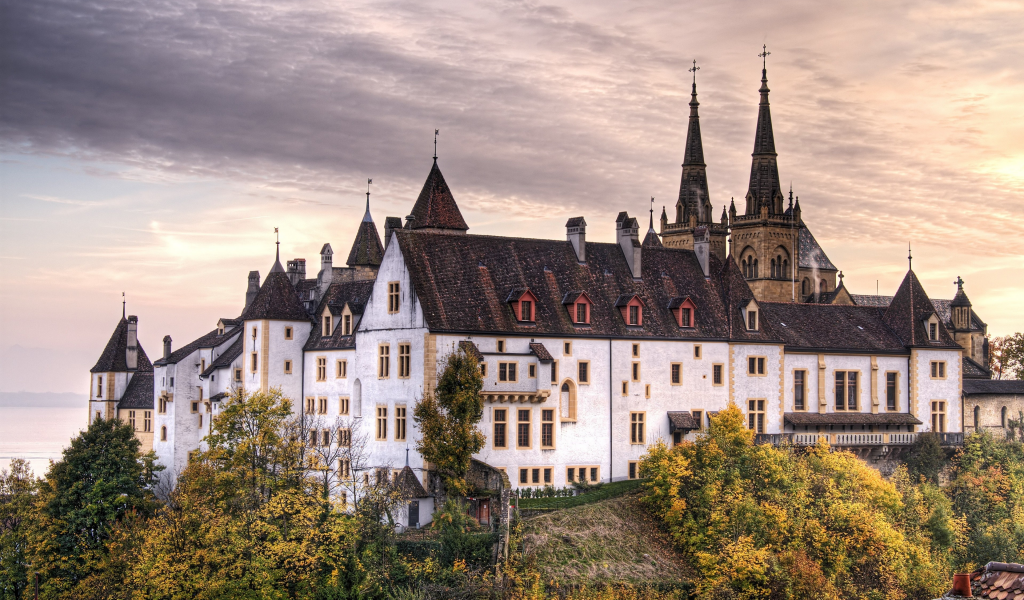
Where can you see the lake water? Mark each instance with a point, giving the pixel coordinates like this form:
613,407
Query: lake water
38,434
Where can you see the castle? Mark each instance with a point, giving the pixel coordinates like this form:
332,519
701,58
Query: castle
590,352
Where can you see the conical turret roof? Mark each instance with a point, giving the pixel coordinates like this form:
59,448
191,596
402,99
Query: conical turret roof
907,312
764,169
367,251
436,208
693,185
114,358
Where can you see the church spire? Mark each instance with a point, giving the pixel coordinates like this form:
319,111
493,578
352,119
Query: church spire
764,188
367,250
693,187
277,268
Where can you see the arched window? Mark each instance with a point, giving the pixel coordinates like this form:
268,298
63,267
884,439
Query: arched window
823,286
785,268
805,286
977,418
1002,418
163,433
774,271
755,269
567,400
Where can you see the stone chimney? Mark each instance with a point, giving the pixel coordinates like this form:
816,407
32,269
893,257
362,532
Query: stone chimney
296,270
627,234
326,274
702,248
390,224
250,292
576,233
132,352
167,338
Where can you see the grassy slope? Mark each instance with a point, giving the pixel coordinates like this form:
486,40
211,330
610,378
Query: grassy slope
611,540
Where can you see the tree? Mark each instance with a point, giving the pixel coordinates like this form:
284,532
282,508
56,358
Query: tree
1011,356
101,480
448,418
926,457
16,490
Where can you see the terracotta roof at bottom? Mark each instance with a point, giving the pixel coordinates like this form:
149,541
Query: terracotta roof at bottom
999,581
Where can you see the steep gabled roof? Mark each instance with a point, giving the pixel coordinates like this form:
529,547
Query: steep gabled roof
226,358
907,312
436,208
810,253
354,293
974,370
114,359
139,393
366,249
409,485
209,340
736,294
277,299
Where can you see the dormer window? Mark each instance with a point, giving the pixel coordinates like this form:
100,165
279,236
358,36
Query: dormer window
684,310
931,326
525,310
750,316
327,325
578,304
632,309
346,324
524,305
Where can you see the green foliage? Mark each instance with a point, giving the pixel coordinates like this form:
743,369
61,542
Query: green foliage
448,418
763,522
926,457
100,481
460,538
16,490
588,495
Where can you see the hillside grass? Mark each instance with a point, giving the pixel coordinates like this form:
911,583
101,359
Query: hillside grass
612,540
604,492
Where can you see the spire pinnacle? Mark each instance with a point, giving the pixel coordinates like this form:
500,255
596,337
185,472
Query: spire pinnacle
124,306
436,131
910,258
277,256
366,215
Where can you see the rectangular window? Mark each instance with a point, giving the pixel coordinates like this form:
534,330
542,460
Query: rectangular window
523,428
547,428
532,371
554,371
507,371
647,391
341,369
343,405
846,390
382,423
696,350
238,375
346,325
636,350
345,437
755,365
636,371
677,373
581,312
321,406
891,391
567,348
718,374
938,416
162,405
287,333
327,326
938,369
310,406
200,421
684,317
634,315
636,428
483,369
202,365
345,468
195,407
253,362
570,474
500,345
99,386
393,297
625,388
633,469
404,360
131,420
752,320
383,361
583,474
399,423
321,368
524,476
287,367
698,418
584,371
933,331
755,415
800,390
500,438
526,310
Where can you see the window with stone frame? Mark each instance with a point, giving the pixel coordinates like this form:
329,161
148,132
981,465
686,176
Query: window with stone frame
508,371
938,369
800,390
892,391
343,405
321,368
499,438
637,432
394,297
523,427
718,374
383,361
756,365
404,361
676,373
939,416
341,369
755,415
846,390
382,423
583,372
547,429
400,423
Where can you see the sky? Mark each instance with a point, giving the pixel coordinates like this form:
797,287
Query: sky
151,148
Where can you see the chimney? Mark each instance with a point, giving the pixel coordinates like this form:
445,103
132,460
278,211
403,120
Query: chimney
167,338
702,248
627,233
296,270
390,224
326,267
250,293
576,233
409,221
132,353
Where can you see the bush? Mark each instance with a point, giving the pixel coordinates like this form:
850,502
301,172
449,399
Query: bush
926,457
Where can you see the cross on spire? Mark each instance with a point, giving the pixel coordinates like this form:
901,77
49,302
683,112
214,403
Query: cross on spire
959,283
436,131
694,71
764,56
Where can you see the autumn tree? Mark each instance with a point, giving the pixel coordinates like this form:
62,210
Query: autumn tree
16,490
448,418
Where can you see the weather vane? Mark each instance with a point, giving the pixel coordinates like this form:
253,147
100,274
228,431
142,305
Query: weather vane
764,56
124,305
694,71
436,131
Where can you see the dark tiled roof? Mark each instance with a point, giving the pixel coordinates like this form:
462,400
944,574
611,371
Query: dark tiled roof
575,222
354,293
226,358
681,420
810,252
367,249
435,207
218,397
869,300
736,295
906,314
139,393
461,283
210,340
693,184
409,485
999,581
277,299
850,418
831,326
541,352
651,239
973,370
113,359
944,308
993,386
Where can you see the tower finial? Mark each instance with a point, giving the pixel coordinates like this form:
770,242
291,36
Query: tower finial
910,258
791,194
959,284
764,57
124,306
694,71
436,131
277,238
366,216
